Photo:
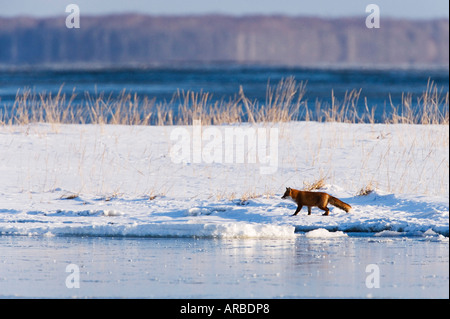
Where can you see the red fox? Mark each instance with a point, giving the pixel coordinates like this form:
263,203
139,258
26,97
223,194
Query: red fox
311,199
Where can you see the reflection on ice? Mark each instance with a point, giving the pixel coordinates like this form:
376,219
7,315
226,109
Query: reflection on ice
301,267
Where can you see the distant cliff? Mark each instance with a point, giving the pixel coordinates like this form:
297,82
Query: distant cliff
302,41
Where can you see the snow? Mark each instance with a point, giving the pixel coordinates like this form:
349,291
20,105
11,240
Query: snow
323,233
107,180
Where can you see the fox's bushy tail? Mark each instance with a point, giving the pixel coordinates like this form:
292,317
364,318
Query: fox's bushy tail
340,204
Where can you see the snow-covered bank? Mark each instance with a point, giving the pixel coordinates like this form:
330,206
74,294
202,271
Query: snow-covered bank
92,180
265,217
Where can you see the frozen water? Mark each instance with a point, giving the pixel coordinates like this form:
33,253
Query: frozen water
301,267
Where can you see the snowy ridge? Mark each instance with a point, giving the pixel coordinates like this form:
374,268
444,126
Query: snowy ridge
264,217
173,230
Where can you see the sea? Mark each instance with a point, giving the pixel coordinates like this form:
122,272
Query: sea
379,88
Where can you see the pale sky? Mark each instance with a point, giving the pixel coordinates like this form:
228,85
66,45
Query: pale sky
417,9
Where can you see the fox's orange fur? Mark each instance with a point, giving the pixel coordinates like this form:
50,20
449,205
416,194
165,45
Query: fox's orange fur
310,199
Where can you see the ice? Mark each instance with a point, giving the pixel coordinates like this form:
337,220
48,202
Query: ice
388,233
323,233
35,267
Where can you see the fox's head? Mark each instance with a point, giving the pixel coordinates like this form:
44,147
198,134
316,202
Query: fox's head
287,193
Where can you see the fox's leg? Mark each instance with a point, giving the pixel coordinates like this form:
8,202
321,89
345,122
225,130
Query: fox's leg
325,208
299,207
309,210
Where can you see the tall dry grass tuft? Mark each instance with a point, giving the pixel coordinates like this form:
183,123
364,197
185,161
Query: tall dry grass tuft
432,107
284,102
317,184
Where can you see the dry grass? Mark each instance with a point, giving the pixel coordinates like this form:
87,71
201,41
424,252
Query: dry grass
318,184
366,190
69,196
427,109
284,102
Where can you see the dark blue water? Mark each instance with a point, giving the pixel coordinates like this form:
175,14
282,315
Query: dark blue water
379,87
